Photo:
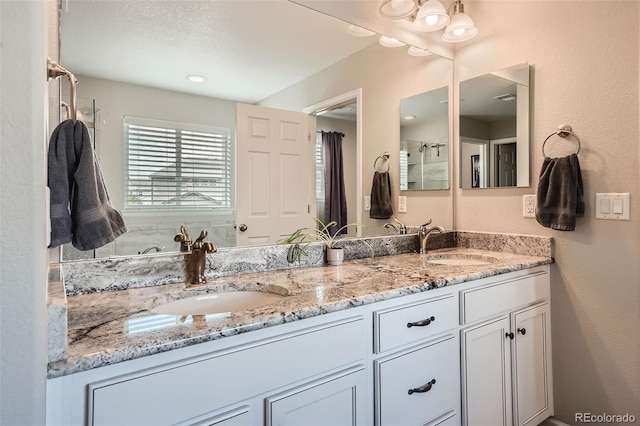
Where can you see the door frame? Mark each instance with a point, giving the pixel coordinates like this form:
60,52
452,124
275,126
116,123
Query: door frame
492,157
343,99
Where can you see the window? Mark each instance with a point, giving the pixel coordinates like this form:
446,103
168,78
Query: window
173,166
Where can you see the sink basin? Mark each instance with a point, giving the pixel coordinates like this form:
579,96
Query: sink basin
460,259
214,303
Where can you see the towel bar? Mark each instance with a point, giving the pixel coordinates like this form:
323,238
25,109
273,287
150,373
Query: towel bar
383,157
54,70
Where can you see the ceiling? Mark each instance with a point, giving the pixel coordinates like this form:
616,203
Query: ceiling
246,49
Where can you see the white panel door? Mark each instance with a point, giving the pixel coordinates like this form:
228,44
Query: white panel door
486,364
531,380
273,173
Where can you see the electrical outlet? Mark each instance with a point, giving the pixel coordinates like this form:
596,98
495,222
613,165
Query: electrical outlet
528,206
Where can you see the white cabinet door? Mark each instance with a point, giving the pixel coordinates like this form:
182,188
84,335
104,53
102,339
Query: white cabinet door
532,357
337,400
486,365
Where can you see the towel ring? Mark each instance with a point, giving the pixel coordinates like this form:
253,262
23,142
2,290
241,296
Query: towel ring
383,157
562,131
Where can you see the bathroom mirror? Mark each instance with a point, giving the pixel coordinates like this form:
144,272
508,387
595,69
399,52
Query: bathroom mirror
94,30
424,141
494,129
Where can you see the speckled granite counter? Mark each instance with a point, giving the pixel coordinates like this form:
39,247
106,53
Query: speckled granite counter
107,327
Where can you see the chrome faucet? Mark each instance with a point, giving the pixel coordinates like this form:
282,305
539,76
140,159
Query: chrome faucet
197,260
401,228
423,234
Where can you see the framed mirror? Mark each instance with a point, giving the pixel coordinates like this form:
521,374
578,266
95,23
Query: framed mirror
424,141
494,129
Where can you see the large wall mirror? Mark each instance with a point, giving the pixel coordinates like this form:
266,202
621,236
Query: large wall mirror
494,129
424,141
132,58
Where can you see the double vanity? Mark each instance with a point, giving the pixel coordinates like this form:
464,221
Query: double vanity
458,335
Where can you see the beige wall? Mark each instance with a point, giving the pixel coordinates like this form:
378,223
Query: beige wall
586,69
385,76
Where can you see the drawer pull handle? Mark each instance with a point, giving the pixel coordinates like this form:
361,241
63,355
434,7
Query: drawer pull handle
522,331
421,323
423,388
510,335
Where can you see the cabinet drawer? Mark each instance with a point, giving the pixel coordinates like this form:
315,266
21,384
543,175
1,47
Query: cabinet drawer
493,299
392,328
178,391
408,371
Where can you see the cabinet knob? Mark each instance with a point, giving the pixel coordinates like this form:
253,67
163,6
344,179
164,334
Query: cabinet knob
510,335
522,331
423,388
422,323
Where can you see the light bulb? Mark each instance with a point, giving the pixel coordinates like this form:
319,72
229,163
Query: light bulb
459,31
431,19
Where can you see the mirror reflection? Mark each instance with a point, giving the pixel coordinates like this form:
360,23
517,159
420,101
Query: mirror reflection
494,129
424,141
133,63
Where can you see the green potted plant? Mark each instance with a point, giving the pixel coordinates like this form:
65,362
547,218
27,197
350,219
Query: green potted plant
300,239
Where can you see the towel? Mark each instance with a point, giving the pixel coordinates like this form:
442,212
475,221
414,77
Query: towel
81,212
560,193
381,207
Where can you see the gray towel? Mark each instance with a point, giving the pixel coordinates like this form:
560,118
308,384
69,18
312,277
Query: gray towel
560,193
381,207
81,211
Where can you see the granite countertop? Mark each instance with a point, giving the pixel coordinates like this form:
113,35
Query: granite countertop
113,326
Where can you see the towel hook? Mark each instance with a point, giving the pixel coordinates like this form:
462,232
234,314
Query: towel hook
54,70
383,157
563,131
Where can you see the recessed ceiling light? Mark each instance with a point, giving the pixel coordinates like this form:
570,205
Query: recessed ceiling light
357,31
409,117
196,78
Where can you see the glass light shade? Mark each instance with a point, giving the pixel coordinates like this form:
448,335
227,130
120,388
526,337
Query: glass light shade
432,16
391,42
460,28
354,30
398,9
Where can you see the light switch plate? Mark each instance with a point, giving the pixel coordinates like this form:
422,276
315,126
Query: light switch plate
402,204
367,203
612,205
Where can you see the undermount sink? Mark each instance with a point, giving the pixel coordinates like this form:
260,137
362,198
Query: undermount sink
460,259
215,303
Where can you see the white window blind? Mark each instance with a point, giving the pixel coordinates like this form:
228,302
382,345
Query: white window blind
173,166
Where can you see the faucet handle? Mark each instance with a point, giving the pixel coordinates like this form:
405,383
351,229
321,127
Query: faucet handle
428,223
399,223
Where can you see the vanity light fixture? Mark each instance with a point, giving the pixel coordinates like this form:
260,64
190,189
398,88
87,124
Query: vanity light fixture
196,78
357,31
391,42
397,9
432,16
416,51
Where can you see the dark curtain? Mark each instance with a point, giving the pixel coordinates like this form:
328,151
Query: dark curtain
335,201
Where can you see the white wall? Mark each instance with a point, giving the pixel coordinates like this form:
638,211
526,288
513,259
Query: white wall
23,253
385,76
586,69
